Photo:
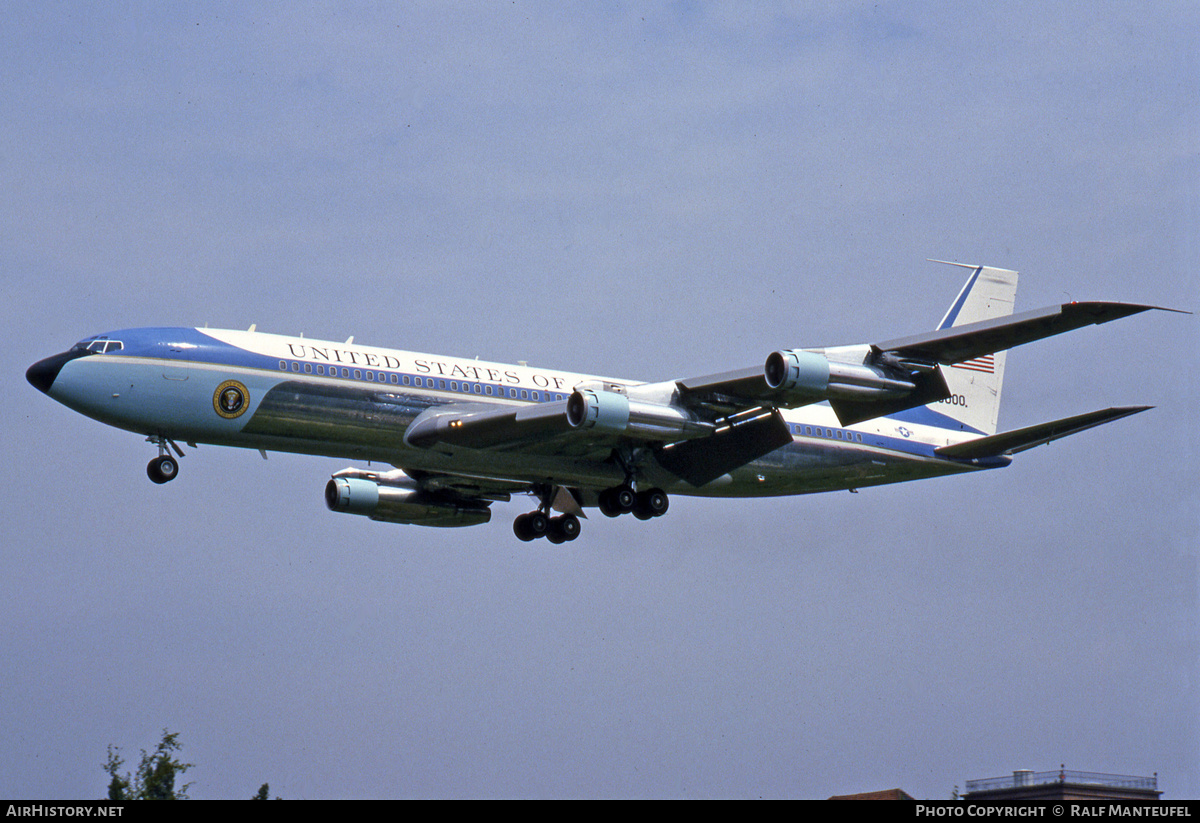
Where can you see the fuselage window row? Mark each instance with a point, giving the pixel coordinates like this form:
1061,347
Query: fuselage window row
841,434
426,382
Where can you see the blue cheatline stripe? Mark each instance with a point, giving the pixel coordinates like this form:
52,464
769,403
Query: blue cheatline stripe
195,346
871,440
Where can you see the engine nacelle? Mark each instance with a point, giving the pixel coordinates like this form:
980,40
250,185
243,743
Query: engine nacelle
606,411
797,372
394,497
810,376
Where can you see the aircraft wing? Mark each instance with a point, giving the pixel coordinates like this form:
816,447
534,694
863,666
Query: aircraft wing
703,427
1021,439
698,449
894,375
959,343
482,426
598,422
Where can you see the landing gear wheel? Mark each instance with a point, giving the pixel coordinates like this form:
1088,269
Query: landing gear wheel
563,528
531,526
651,503
617,501
521,528
162,469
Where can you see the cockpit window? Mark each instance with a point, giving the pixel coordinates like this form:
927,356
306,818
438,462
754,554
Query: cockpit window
100,345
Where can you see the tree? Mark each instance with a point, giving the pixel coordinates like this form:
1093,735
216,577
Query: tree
155,775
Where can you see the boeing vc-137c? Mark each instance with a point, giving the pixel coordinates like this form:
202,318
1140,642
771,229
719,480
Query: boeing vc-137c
463,434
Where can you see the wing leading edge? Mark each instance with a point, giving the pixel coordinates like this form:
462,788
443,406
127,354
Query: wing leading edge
959,343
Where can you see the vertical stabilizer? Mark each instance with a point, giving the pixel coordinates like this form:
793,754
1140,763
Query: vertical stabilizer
975,384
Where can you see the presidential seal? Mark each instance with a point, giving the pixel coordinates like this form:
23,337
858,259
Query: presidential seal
230,399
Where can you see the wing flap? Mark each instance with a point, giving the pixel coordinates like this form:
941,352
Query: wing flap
1021,439
704,460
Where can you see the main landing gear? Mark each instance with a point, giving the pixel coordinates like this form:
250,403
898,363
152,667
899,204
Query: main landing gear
533,525
644,505
614,502
165,467
540,523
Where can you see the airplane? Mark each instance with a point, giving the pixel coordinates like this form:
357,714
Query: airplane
462,434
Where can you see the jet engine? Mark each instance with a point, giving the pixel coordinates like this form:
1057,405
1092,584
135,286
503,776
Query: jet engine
394,497
808,375
608,411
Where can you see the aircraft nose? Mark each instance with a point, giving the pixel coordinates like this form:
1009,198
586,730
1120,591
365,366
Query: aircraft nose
43,373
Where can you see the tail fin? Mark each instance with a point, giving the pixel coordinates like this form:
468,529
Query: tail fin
975,384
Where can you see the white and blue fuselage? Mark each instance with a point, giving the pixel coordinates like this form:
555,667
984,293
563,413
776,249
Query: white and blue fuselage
464,433
357,402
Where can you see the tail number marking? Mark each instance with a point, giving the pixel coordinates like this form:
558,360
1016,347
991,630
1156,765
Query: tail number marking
955,400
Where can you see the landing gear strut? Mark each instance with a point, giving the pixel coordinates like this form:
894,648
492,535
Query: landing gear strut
165,467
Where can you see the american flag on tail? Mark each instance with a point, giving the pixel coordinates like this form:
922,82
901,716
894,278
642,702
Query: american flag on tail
985,363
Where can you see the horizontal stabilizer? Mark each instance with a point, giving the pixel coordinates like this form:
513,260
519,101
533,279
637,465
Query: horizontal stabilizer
959,343
1022,439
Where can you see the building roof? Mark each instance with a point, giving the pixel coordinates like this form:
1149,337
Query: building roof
886,794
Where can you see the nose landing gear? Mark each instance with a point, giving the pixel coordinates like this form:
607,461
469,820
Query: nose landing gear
162,469
165,467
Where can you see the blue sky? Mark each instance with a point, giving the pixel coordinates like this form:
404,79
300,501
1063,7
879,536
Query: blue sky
645,191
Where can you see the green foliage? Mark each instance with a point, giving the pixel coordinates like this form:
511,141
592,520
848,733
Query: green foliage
155,775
